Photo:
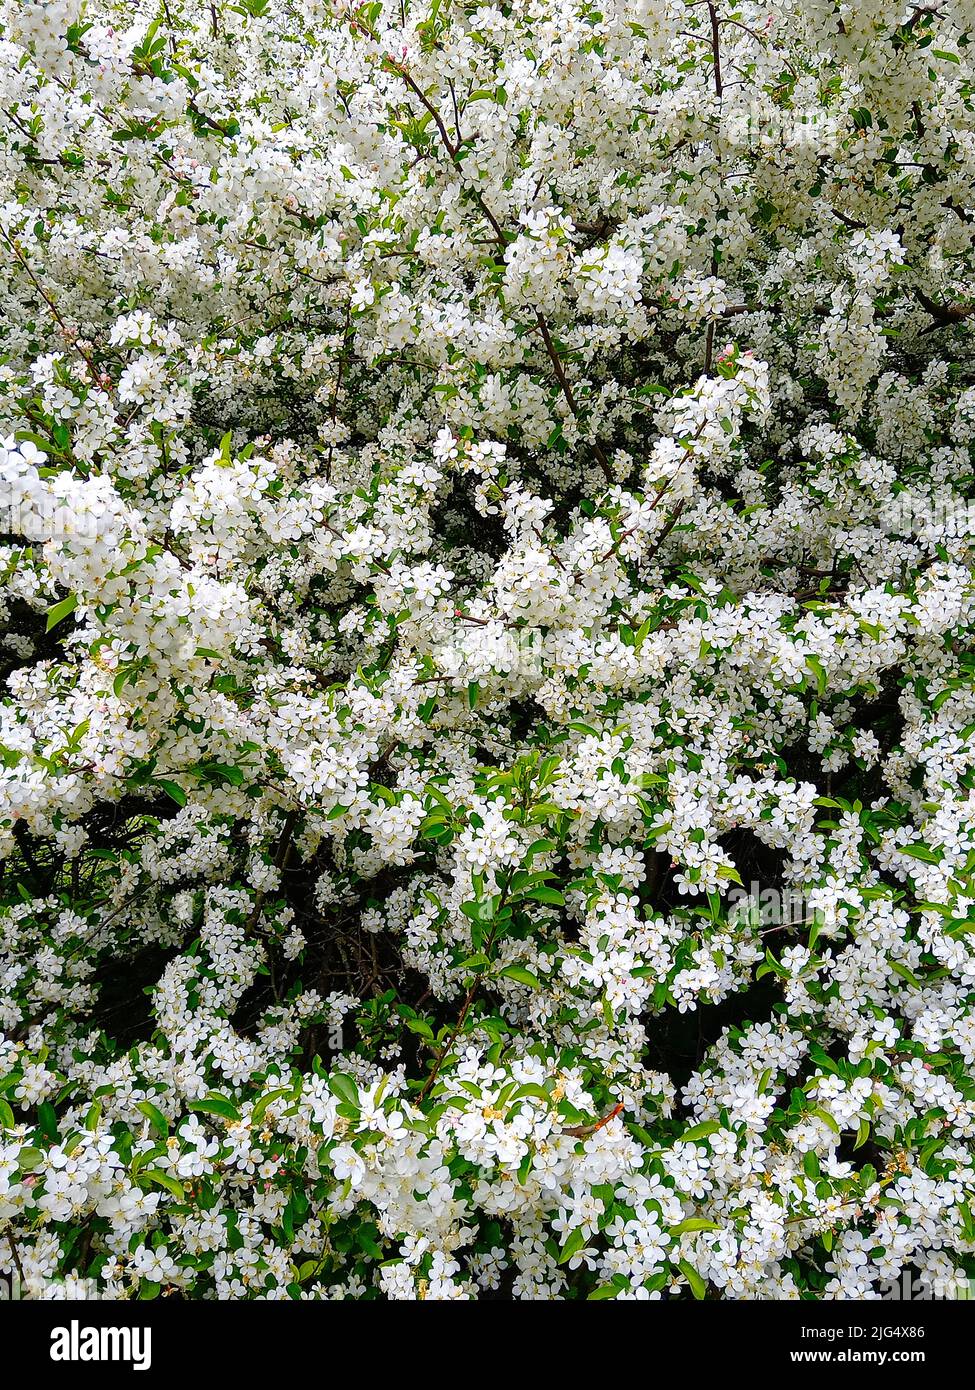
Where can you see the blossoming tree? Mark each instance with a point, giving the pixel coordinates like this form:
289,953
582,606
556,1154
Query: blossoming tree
485,518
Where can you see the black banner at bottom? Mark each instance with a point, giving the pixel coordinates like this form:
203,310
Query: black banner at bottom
294,1339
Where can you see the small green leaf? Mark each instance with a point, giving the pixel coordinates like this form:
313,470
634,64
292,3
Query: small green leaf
173,790
574,1242
521,976
817,668
344,1087
697,1285
157,1119
826,1118
699,1131
166,1180
61,610
547,895
217,1105
257,1114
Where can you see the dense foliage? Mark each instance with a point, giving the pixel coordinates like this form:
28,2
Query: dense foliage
487,802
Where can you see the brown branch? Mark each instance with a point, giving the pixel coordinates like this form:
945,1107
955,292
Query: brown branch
671,523
468,1000
567,392
715,50
14,1250
453,151
69,333
280,859
944,315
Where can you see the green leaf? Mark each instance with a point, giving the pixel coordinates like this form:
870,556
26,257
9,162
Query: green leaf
699,1131
697,1285
476,962
814,931
47,1120
922,852
61,610
421,1027
217,1105
574,1242
826,1118
539,847
257,1114
173,790
344,1087
521,976
121,680
819,671
166,1180
547,895
158,1120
